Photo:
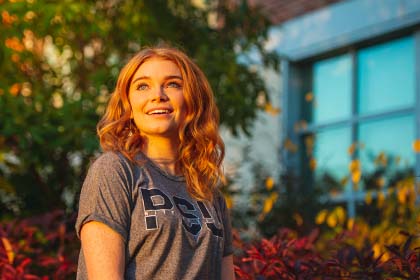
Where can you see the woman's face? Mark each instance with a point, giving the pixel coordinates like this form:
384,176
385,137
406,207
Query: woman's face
157,100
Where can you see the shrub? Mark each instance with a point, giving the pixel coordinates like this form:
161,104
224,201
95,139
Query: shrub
381,244
339,247
42,247
288,257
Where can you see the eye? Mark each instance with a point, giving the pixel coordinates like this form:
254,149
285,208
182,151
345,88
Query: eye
142,86
174,85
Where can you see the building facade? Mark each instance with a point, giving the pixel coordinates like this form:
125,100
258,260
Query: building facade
351,96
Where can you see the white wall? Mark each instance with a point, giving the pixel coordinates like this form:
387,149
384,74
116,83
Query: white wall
263,147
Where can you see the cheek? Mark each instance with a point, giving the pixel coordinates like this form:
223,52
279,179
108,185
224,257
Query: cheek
136,102
182,102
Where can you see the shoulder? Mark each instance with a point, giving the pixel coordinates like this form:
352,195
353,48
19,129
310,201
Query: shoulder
110,160
109,164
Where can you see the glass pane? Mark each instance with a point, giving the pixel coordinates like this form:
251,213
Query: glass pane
331,154
386,76
387,143
332,89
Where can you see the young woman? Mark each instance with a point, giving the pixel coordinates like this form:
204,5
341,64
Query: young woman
149,206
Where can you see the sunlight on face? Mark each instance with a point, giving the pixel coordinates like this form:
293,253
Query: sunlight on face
157,100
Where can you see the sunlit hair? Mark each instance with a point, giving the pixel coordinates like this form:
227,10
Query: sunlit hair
201,149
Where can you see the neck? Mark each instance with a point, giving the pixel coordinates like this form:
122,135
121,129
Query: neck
163,152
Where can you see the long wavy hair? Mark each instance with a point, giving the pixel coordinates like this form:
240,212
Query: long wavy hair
201,150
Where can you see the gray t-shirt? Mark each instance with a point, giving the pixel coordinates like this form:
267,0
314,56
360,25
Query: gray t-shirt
167,234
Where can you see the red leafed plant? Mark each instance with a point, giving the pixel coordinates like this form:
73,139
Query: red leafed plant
41,247
45,247
405,262
284,256
288,257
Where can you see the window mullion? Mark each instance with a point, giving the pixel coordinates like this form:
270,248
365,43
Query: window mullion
417,89
351,203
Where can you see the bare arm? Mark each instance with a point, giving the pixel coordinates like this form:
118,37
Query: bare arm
104,253
227,268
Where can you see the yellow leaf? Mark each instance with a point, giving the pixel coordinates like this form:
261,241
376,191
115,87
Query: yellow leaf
270,109
274,196
331,220
385,257
309,141
381,199
350,223
368,198
14,89
312,164
57,100
376,250
401,195
341,214
354,165
29,16
416,146
380,182
344,180
298,219
7,18
268,205
15,57
269,183
9,249
352,149
320,217
355,176
14,44
290,146
381,159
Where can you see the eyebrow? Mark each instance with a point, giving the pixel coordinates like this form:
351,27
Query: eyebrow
166,78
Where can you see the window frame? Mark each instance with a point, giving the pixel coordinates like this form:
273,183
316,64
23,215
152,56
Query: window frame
298,81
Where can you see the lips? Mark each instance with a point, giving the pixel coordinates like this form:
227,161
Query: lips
159,111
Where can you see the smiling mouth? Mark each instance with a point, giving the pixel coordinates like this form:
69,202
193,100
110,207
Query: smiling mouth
159,112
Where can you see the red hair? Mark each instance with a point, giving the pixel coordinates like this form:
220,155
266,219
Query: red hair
201,150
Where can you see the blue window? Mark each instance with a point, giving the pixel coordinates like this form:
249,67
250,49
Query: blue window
385,76
390,138
362,109
330,151
332,89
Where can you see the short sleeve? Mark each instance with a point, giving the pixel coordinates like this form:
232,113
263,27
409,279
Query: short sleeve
227,226
106,194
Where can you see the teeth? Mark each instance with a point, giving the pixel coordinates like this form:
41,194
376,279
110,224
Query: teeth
158,112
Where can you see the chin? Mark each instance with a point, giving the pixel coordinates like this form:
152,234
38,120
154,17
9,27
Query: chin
166,133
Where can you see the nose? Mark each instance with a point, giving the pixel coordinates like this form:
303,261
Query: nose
159,95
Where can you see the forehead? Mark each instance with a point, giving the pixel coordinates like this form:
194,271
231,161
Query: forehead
157,67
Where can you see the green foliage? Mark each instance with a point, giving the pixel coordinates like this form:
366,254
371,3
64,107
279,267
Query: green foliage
59,61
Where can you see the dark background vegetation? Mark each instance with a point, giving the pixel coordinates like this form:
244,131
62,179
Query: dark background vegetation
59,61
